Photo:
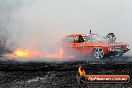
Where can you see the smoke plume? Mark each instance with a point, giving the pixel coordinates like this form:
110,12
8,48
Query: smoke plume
41,23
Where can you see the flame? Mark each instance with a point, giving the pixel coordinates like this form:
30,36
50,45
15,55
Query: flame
31,53
21,52
81,71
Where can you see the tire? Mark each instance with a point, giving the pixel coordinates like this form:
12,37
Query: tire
98,53
119,54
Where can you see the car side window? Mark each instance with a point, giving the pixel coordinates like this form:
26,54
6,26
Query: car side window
69,39
79,39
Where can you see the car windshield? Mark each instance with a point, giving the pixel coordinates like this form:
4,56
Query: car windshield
95,38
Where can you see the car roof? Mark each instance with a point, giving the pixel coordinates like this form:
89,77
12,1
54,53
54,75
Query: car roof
81,34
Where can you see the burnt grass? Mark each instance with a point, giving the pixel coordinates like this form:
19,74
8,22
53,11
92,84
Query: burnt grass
58,75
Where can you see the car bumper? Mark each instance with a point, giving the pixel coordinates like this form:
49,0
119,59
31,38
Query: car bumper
115,51
119,50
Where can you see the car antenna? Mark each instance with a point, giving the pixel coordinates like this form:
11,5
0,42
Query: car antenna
90,31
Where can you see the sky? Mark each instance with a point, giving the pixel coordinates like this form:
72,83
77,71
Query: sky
38,23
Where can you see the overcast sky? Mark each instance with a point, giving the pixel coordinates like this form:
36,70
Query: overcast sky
49,18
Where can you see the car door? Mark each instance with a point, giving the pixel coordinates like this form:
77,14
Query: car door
89,44
79,44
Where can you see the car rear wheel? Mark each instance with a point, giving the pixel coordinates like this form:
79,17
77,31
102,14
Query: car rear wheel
98,53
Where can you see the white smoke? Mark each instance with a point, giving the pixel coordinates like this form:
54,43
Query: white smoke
40,23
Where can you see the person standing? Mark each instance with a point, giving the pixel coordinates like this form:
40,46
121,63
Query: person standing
111,37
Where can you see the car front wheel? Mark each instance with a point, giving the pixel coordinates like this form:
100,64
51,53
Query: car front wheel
119,54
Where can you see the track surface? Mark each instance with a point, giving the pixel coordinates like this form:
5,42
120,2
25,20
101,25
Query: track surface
60,75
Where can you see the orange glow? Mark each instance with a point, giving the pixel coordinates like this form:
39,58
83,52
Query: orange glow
81,71
21,53
30,53
59,54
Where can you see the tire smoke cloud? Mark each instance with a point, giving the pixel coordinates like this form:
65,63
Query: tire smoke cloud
41,23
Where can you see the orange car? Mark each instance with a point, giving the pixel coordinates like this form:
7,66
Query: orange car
93,45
